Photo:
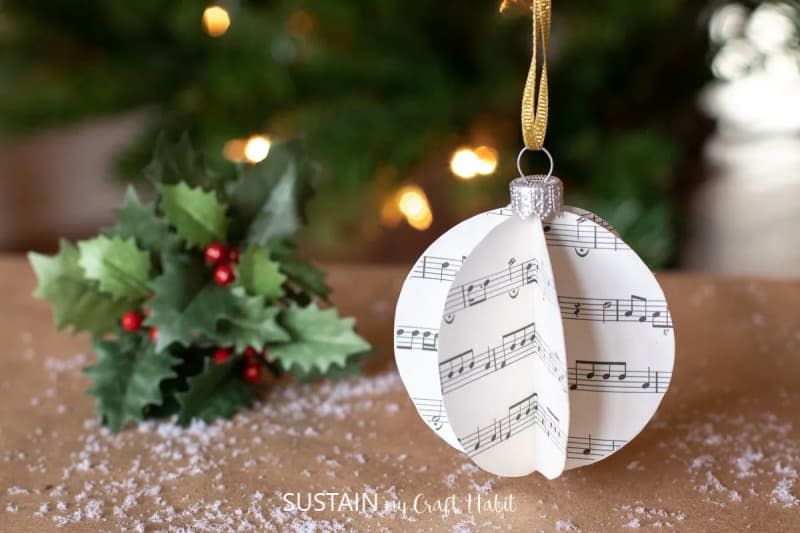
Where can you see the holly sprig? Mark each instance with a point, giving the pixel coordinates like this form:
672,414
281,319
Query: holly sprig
191,298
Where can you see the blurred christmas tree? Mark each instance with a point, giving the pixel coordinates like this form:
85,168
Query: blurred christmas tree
385,92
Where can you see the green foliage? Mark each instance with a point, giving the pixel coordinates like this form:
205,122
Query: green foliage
118,265
139,221
395,84
148,262
127,378
319,339
77,301
259,274
197,215
244,321
217,392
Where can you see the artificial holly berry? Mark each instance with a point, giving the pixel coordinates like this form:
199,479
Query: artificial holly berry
223,275
250,353
251,373
233,255
216,253
153,334
131,321
221,355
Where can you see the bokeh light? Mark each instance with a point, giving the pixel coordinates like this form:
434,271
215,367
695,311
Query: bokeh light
466,163
256,148
216,20
411,203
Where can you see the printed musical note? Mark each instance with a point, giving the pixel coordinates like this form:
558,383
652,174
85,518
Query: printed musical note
465,368
508,281
522,415
634,308
591,448
639,305
431,410
604,376
413,337
581,240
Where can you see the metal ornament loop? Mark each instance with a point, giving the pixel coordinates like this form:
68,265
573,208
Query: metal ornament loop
538,195
546,152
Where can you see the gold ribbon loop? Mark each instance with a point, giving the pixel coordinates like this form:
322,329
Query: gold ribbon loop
534,110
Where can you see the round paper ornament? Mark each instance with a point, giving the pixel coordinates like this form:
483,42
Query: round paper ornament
533,346
532,337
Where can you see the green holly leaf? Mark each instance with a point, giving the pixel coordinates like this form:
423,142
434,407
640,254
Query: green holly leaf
259,274
139,221
175,162
268,198
127,378
121,268
319,339
352,368
76,300
246,321
217,392
301,273
183,303
198,217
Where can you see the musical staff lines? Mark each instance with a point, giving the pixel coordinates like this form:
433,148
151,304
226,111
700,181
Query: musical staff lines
413,337
580,236
508,281
522,415
631,309
591,449
460,370
431,410
605,376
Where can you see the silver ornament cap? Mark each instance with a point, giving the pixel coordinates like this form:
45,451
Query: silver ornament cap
542,196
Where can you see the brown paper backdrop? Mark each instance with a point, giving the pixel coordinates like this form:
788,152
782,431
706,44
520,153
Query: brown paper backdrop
721,455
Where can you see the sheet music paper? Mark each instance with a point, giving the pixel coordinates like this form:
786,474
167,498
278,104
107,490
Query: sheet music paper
501,355
620,347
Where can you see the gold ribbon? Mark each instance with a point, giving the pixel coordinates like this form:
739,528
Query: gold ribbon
534,109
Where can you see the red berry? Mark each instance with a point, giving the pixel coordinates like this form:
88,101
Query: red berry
131,321
216,253
250,353
223,275
153,334
221,355
251,373
233,255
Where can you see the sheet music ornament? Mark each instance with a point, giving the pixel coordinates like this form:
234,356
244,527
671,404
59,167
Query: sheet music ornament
531,337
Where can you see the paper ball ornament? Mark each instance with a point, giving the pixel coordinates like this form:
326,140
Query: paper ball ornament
534,346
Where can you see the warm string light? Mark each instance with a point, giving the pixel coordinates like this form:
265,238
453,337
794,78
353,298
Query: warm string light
411,203
467,163
257,148
216,20
252,150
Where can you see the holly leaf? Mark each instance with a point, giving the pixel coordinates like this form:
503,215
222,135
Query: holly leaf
175,162
76,300
246,321
259,274
319,339
302,273
198,217
268,198
139,221
120,267
183,304
127,378
217,392
335,372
